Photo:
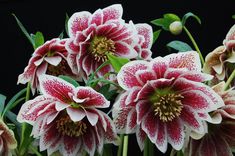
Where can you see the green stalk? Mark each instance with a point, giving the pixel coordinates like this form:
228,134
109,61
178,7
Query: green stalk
35,151
146,147
230,79
150,148
125,146
194,44
121,145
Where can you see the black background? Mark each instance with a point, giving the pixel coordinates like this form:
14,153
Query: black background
48,16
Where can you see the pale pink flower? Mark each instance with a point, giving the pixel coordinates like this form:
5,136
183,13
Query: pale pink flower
220,138
49,58
163,97
93,36
7,140
66,119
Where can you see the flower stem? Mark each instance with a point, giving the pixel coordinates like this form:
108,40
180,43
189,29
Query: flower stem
194,44
27,92
125,145
121,145
146,147
35,151
150,148
230,79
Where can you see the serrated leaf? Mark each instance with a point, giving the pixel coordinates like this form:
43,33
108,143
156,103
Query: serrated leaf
117,62
171,17
11,103
156,35
189,14
66,24
38,39
69,80
24,30
179,46
2,102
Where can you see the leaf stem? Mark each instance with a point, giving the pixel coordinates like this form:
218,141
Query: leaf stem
194,44
230,79
121,145
125,146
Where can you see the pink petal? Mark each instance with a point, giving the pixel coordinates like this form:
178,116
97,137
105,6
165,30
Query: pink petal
112,12
207,146
71,45
122,49
175,131
126,76
221,146
174,72
141,136
197,76
159,65
43,49
97,17
94,99
145,75
189,60
131,121
150,125
110,133
145,54
72,62
70,146
161,138
87,64
55,60
89,142
76,114
78,22
229,40
105,29
56,88
191,119
146,31
227,111
142,109
132,94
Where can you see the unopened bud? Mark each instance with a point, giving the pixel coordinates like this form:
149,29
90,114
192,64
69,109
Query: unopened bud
176,27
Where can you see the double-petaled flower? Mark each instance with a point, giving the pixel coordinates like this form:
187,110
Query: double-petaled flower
50,58
66,119
162,98
7,140
220,138
94,36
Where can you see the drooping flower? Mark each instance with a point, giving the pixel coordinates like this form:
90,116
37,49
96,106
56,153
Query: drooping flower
94,36
162,97
218,61
49,58
66,119
220,138
7,140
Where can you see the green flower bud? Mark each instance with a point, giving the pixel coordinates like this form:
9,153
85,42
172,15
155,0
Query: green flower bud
176,27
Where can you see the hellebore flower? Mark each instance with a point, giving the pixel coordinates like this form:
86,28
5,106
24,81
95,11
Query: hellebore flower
66,119
220,138
94,36
163,97
50,58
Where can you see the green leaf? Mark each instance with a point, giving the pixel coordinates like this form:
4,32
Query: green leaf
61,36
12,117
38,39
108,94
2,102
24,30
12,103
179,46
66,24
233,16
171,17
26,138
117,62
156,35
69,80
189,14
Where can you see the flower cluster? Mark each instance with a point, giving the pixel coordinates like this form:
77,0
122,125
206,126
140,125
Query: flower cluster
101,84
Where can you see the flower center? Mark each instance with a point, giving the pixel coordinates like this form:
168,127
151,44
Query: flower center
66,126
61,69
100,46
167,106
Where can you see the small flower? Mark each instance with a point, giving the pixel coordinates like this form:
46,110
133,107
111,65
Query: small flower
176,27
93,36
7,140
220,138
66,119
162,97
49,58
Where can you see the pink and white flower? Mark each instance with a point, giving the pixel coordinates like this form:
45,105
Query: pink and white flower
7,140
220,138
163,97
49,58
93,36
66,119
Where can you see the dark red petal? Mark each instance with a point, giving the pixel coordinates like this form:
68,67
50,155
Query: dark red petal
145,54
145,75
143,107
207,146
122,49
97,17
159,66
161,138
110,133
87,62
140,136
132,95
221,146
70,145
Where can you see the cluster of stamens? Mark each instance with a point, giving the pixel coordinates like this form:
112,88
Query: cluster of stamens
100,46
60,69
168,106
67,127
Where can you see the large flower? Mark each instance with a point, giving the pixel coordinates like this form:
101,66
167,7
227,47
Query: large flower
49,58
162,97
220,138
65,118
7,140
93,36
